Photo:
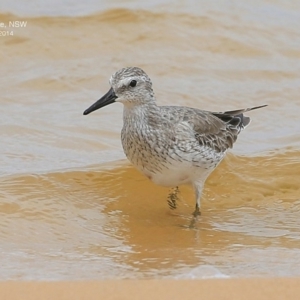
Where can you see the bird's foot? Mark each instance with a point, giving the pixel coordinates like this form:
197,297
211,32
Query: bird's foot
197,211
172,198
195,218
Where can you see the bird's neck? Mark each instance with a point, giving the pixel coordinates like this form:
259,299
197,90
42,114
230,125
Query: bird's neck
136,113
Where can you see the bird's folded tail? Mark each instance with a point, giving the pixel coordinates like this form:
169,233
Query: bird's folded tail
236,117
241,111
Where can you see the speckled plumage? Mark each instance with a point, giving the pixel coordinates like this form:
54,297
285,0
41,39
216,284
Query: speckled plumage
171,145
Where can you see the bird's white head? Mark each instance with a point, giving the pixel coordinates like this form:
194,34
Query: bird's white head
130,86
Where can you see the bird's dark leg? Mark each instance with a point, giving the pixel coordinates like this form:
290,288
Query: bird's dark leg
173,197
198,186
197,211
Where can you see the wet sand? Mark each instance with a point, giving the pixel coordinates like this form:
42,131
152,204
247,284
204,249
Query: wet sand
222,289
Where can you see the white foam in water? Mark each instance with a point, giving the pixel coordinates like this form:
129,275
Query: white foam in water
201,272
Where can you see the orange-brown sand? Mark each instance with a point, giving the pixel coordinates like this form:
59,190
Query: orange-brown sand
220,289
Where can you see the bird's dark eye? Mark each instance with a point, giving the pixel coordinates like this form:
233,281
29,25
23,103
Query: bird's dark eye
132,83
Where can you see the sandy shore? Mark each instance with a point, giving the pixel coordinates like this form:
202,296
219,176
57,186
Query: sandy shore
242,289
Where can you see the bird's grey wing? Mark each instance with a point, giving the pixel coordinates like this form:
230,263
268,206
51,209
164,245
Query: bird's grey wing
220,130
208,129
216,130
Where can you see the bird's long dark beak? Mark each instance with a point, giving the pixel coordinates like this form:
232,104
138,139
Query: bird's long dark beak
108,98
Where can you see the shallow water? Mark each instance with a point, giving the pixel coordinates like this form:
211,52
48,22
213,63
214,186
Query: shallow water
73,208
